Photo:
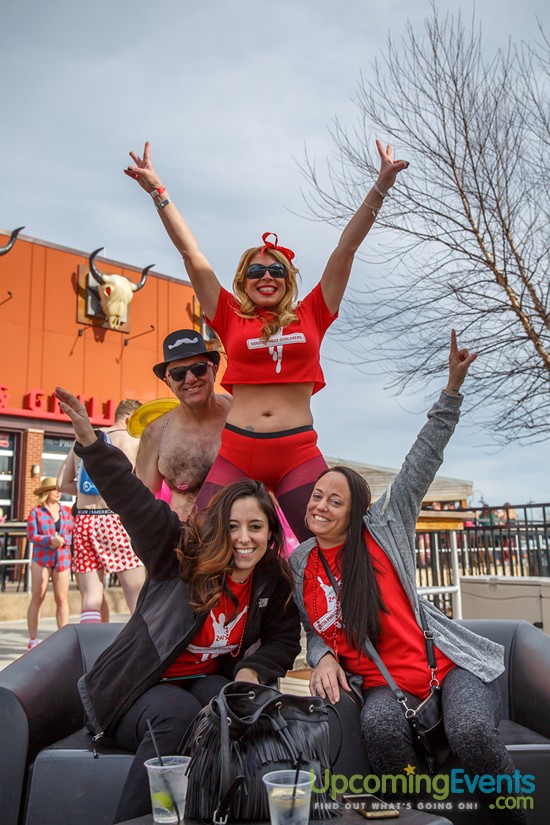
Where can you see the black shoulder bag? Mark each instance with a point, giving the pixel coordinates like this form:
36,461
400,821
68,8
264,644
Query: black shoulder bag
426,720
245,732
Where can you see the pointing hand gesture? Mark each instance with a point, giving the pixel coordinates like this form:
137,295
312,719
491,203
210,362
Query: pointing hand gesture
460,361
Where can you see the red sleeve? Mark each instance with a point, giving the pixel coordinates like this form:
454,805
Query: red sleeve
224,312
315,304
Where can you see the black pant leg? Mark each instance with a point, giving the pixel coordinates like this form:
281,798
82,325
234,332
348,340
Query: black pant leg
170,709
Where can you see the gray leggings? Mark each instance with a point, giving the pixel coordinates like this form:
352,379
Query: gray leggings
471,712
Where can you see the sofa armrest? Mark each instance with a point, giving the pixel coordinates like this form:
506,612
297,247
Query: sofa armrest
44,682
529,678
14,742
40,703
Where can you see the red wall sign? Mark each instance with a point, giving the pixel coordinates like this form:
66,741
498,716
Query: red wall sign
38,404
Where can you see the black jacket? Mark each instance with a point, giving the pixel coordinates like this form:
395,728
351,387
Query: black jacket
164,623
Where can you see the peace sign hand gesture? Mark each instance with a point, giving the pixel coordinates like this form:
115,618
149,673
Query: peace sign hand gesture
389,168
143,171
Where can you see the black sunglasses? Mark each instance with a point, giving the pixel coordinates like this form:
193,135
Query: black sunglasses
198,370
257,271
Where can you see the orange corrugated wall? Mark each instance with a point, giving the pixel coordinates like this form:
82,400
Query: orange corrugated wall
39,343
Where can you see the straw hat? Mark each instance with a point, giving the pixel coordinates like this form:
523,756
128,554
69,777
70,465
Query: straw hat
46,486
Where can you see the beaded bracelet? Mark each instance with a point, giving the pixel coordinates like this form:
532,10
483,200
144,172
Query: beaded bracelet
373,209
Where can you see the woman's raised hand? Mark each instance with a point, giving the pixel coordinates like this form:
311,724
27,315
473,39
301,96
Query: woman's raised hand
143,171
389,168
460,361
78,414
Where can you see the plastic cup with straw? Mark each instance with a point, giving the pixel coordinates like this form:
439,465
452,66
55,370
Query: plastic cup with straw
289,795
163,797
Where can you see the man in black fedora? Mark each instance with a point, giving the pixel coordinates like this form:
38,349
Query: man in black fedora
178,448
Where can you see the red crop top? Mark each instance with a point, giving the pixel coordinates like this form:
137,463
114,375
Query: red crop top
291,356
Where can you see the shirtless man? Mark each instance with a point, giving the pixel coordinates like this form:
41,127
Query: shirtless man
100,542
179,447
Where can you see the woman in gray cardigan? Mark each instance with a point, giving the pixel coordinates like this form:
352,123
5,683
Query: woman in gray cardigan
356,581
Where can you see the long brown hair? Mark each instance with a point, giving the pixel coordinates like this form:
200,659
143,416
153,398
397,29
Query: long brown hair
205,552
360,598
283,314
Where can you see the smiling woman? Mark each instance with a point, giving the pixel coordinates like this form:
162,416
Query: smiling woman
216,606
249,530
272,343
356,591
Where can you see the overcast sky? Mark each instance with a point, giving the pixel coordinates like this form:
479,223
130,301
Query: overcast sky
230,92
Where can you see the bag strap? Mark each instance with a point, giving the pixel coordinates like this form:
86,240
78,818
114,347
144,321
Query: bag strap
227,788
373,653
369,647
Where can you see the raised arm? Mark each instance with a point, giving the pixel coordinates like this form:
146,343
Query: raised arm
424,459
202,276
154,529
337,271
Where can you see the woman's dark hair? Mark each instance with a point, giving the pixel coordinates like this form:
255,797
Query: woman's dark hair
205,553
360,599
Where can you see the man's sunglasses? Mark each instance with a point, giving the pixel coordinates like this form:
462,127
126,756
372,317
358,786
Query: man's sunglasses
258,270
198,370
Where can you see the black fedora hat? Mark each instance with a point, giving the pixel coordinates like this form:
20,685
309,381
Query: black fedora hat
183,343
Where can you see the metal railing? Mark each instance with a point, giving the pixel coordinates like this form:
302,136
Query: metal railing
15,554
505,541
511,541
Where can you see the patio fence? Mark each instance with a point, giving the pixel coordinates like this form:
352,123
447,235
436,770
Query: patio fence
512,541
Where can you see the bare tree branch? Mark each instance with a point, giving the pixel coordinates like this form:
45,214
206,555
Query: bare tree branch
465,238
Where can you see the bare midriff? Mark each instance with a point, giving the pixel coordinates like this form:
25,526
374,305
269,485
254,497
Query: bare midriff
267,408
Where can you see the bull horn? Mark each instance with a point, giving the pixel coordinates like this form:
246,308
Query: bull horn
143,277
10,243
93,271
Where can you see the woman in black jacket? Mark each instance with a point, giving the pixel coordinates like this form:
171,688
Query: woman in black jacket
216,606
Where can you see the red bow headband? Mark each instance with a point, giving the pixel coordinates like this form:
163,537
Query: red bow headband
288,253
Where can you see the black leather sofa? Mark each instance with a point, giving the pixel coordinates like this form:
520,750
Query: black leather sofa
48,775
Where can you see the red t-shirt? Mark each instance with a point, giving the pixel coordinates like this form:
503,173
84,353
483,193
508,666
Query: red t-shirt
401,645
217,636
291,356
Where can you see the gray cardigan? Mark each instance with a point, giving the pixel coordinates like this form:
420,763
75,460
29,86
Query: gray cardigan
392,522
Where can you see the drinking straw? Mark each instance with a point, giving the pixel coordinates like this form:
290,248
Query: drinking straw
296,778
153,739
161,763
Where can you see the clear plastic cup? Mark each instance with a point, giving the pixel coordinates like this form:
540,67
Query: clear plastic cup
289,801
168,785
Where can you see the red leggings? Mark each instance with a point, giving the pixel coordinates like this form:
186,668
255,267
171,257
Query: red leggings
288,463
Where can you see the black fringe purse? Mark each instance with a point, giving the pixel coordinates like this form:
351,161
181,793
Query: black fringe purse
245,732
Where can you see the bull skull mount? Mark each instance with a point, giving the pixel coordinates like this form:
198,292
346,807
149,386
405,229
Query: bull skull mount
109,296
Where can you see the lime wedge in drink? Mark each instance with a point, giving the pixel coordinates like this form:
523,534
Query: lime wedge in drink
164,800
282,797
